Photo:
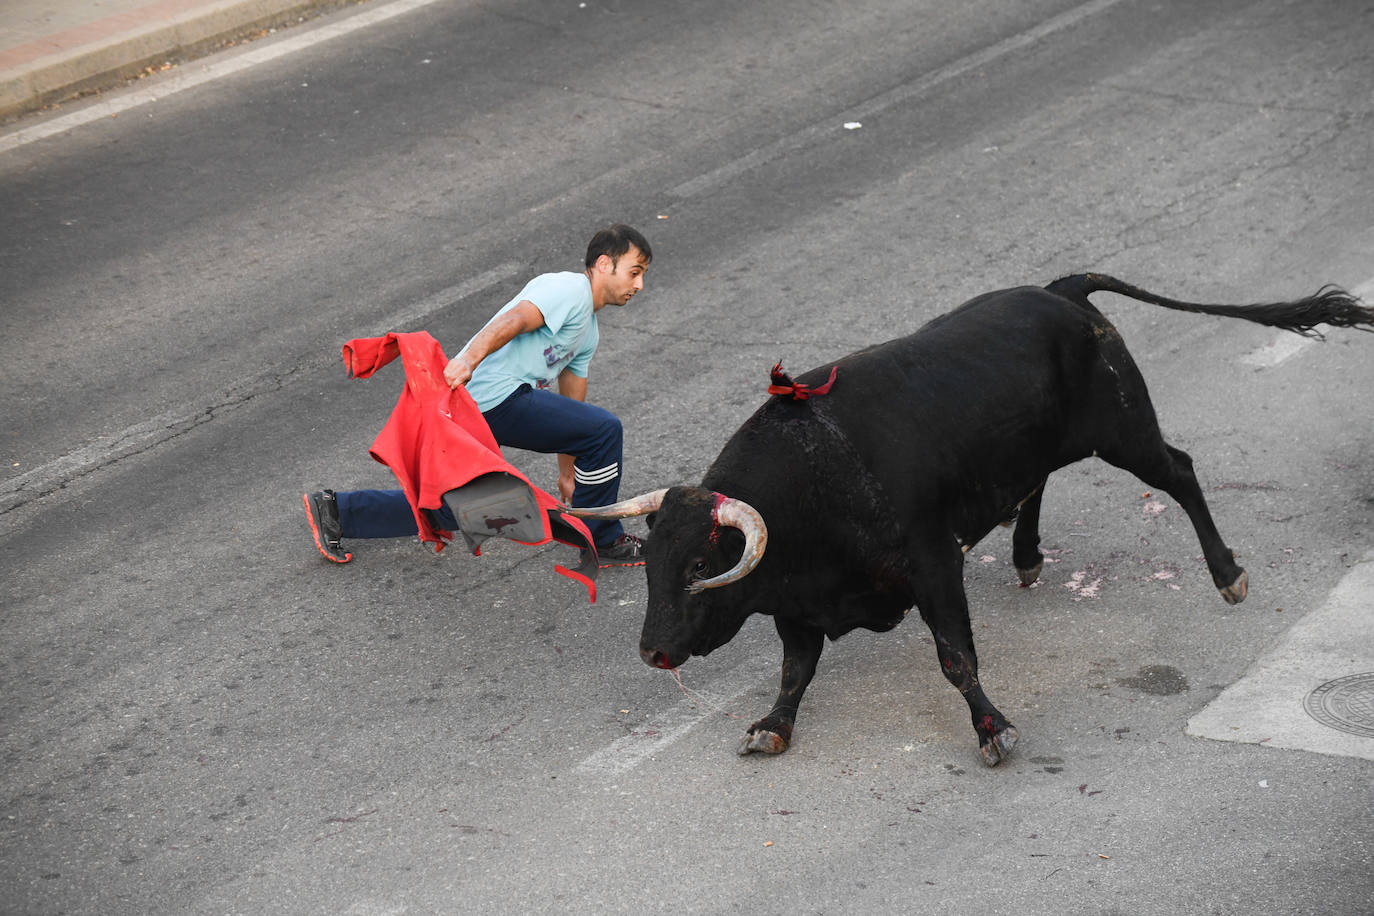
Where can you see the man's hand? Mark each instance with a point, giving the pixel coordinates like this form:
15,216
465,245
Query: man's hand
458,371
567,478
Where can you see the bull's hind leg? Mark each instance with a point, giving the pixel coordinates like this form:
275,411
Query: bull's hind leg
944,607
1166,468
1127,435
1025,540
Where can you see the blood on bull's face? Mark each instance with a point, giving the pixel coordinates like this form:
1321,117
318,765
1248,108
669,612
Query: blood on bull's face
688,545
699,541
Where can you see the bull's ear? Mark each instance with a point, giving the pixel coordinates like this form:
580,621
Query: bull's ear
649,520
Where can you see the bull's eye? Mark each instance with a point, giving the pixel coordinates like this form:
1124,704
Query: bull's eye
699,570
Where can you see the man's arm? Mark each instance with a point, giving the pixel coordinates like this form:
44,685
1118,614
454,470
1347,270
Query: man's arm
572,386
501,330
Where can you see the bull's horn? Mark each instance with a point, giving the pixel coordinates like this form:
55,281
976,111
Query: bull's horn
627,508
736,513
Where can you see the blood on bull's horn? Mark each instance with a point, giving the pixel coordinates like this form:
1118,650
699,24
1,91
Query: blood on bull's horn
728,511
736,513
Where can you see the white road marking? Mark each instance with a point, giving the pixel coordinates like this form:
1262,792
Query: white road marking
1286,344
212,68
1266,705
1279,350
415,313
624,754
45,478
826,127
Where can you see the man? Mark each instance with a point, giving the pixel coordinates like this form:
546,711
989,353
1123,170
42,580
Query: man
527,371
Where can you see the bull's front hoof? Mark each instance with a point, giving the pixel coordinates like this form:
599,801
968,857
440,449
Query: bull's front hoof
765,742
998,748
1236,591
1029,576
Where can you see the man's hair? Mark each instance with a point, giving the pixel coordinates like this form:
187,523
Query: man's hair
615,241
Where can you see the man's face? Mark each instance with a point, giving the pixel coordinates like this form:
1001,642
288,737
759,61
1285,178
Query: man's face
623,277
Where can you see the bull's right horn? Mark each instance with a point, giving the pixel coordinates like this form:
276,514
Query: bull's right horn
627,508
736,513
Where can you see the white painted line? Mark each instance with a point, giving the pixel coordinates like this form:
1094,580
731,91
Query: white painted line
1266,705
1279,350
414,314
1286,344
624,754
836,123
212,68
45,478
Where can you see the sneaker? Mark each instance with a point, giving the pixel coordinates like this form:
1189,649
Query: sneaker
626,550
322,511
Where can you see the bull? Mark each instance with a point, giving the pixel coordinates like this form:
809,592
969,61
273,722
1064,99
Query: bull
853,493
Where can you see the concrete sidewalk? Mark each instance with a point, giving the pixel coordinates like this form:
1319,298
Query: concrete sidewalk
54,50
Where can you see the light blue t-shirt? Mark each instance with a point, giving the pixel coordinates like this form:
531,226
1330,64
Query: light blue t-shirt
566,341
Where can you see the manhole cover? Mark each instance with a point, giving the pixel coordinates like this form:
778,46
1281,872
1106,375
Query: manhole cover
1346,703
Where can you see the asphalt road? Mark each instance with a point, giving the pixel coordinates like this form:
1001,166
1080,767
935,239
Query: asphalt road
200,715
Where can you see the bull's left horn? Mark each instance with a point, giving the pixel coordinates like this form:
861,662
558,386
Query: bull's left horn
736,513
627,508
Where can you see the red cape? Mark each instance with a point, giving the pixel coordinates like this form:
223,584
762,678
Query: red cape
436,441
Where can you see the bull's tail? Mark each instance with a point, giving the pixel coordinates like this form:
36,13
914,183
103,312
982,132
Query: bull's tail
1331,305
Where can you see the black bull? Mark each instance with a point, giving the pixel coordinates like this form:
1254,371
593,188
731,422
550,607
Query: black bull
845,509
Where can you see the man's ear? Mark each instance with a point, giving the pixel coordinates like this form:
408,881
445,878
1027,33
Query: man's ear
605,263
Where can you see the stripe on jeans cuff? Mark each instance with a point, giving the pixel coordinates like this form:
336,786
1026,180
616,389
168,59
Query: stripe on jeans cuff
600,475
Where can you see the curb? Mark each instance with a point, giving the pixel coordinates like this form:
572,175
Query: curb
105,54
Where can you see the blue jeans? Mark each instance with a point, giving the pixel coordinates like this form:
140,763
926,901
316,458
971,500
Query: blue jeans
531,419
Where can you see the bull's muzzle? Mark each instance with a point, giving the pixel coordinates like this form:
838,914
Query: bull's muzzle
656,658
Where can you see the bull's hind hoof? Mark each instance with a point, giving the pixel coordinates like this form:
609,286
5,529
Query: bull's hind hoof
1236,591
764,742
999,746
